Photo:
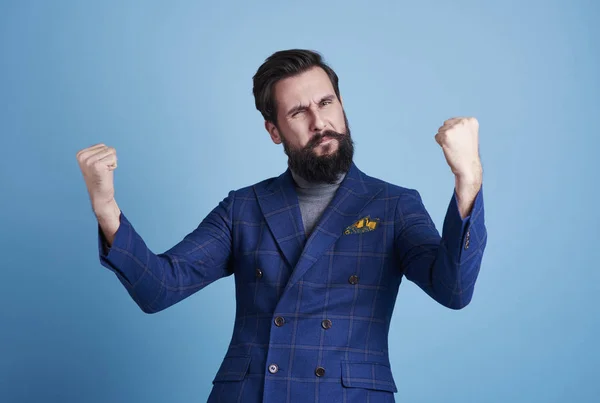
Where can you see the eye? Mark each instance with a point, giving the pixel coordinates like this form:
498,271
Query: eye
326,102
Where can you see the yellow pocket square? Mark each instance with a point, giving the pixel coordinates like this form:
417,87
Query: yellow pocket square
365,224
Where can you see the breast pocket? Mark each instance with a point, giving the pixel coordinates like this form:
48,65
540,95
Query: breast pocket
363,235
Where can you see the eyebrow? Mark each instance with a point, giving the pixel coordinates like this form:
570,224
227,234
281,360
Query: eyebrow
301,107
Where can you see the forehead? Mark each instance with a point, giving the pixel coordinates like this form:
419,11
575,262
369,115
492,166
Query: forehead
303,88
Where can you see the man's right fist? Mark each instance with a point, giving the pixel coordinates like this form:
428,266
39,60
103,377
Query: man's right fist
97,164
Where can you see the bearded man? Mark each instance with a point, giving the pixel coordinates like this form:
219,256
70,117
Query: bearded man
318,253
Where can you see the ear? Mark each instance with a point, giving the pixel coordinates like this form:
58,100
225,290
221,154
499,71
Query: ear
273,132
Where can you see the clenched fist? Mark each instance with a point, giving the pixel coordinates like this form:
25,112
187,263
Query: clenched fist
97,164
459,139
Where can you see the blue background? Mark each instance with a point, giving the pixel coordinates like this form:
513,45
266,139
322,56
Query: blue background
169,85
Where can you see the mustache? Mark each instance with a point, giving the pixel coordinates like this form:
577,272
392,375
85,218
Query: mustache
317,138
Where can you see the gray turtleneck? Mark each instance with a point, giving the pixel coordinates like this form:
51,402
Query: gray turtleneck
314,198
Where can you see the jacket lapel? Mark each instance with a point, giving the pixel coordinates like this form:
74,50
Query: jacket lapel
350,199
278,202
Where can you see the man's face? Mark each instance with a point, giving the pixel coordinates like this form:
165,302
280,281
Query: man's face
312,126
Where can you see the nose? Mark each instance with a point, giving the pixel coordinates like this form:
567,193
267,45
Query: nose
317,123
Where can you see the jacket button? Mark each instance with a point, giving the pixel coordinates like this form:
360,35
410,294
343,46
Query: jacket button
326,324
320,371
468,238
353,279
273,368
279,321
259,273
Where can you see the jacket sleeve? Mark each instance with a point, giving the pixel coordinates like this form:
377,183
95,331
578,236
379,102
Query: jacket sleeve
157,281
445,267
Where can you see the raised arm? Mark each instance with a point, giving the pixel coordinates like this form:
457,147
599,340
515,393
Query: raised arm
447,267
154,281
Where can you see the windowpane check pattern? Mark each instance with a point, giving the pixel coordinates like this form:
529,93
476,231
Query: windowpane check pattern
312,315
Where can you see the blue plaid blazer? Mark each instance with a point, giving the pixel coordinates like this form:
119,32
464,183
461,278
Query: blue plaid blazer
312,315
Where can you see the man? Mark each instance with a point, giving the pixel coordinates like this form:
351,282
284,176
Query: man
318,253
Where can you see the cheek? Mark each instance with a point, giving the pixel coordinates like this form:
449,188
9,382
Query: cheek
337,118
297,134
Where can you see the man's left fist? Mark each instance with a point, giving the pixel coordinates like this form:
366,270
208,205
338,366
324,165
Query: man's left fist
459,139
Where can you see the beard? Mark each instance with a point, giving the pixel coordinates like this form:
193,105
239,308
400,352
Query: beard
324,168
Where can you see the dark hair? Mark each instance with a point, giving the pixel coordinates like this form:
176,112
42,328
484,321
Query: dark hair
283,64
